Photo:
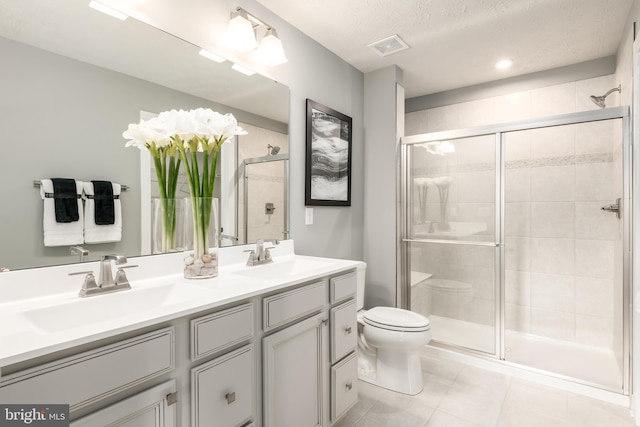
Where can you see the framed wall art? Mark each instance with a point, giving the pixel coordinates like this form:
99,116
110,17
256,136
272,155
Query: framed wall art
328,161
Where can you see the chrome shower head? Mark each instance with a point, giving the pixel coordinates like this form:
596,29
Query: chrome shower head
272,150
599,100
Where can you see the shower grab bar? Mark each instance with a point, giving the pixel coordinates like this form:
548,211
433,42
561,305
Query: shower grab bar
454,242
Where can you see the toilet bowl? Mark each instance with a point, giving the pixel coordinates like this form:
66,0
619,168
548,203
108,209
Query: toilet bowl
389,340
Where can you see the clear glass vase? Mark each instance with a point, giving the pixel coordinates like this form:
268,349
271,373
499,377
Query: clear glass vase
201,257
169,232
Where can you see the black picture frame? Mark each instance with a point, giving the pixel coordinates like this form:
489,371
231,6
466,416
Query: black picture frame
328,157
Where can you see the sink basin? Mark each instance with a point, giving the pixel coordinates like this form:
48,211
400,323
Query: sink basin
283,270
105,308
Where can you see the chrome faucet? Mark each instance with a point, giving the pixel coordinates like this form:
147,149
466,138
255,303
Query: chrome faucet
106,282
261,255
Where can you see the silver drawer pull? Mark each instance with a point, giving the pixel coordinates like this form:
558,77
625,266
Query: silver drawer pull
348,329
231,397
349,386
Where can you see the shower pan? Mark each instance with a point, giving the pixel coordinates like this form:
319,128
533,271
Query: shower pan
516,241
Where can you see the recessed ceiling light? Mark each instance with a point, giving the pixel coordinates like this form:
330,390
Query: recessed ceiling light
504,64
109,11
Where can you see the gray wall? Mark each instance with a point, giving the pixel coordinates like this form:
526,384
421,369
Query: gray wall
382,114
64,118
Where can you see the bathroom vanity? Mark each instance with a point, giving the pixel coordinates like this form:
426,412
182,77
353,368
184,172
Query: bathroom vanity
271,345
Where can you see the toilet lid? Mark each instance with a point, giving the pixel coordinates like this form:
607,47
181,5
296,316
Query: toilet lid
396,318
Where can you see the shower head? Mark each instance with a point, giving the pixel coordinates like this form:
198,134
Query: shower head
599,100
272,150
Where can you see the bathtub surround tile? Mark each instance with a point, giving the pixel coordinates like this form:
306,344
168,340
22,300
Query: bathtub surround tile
415,123
553,292
595,258
594,297
595,137
553,256
517,253
553,183
517,184
518,287
517,221
517,146
553,219
557,141
594,223
552,100
594,181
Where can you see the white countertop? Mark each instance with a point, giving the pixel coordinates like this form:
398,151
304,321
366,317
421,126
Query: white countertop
40,311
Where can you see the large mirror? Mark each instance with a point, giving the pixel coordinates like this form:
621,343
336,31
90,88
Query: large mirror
72,79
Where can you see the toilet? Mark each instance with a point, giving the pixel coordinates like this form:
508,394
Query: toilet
389,340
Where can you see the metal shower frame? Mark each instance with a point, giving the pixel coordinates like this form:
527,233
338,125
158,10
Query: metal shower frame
403,273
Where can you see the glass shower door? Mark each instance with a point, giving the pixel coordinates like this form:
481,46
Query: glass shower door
563,252
452,251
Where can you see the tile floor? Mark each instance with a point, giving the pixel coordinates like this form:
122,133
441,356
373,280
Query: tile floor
458,395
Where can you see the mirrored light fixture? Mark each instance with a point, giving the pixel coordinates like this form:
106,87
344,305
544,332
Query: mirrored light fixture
243,32
107,10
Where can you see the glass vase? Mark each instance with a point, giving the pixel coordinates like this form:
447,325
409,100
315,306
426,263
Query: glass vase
168,225
201,257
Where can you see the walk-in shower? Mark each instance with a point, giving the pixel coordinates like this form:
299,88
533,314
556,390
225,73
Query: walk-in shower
507,250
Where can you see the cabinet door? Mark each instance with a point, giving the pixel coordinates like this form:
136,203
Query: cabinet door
222,390
293,371
149,408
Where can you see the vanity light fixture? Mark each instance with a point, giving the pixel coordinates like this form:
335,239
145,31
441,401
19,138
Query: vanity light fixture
243,32
243,70
240,34
211,56
108,10
270,51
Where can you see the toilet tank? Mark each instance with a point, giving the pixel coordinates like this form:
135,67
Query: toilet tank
360,276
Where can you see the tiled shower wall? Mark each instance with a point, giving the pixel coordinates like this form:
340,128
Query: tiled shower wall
266,185
560,263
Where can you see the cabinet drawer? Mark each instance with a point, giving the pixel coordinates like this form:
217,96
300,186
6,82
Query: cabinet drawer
148,408
342,287
222,390
217,331
344,330
344,386
281,308
90,376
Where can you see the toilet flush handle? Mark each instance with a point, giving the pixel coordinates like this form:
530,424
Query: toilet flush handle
348,330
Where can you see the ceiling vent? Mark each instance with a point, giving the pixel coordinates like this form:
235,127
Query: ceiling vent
389,45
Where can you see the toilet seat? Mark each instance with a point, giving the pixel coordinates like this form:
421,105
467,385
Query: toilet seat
396,319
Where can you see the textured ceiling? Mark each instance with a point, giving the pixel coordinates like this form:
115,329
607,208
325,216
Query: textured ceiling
456,43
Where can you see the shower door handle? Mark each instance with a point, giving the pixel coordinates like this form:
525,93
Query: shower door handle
613,208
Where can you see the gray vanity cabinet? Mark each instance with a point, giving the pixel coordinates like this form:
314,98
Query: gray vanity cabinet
150,408
293,363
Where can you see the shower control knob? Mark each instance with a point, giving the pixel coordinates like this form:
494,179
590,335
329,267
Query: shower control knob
613,208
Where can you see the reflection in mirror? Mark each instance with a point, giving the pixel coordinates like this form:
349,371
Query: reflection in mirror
76,79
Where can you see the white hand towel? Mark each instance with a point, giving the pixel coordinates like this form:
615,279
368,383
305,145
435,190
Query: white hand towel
94,233
60,233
